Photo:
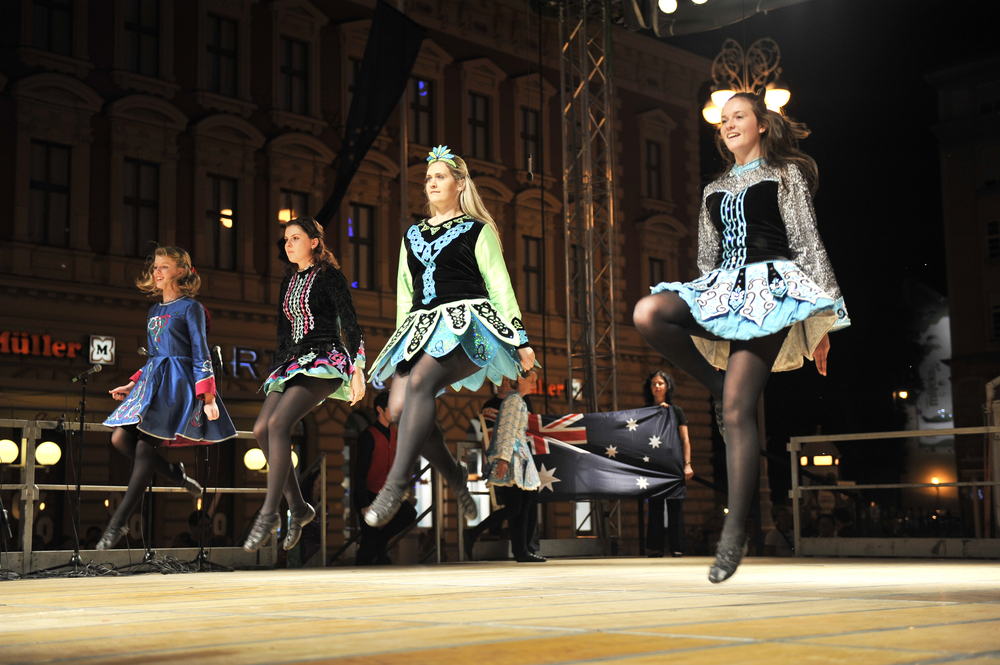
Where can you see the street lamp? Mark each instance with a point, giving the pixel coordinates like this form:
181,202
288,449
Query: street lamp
47,453
8,451
735,70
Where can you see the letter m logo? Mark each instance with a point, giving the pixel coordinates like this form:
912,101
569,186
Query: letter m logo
102,350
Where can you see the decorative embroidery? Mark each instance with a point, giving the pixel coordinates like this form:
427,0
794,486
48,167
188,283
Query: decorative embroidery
457,317
155,326
427,253
753,290
197,420
734,235
296,304
491,317
522,334
425,322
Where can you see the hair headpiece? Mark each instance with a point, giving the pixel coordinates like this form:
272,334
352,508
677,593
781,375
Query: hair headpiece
441,154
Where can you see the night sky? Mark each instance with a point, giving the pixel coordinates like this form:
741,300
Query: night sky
856,72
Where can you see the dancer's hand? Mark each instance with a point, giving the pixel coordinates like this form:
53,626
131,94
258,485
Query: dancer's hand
357,386
211,408
501,468
527,357
121,392
819,355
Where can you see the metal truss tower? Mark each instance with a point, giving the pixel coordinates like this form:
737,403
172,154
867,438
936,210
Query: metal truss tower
588,202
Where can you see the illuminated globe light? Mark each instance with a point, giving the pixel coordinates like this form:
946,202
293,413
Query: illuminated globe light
285,215
8,451
47,453
699,2
668,6
721,95
823,460
295,459
254,459
711,113
804,461
776,109
41,506
227,217
903,394
777,94
935,480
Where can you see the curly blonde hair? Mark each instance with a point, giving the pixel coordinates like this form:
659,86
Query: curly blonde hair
188,283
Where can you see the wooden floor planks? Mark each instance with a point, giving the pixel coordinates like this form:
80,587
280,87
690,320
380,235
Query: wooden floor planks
633,611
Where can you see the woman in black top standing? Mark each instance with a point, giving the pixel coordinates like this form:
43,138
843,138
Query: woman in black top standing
659,390
320,353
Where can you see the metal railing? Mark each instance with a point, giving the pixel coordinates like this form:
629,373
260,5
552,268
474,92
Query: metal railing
31,433
882,546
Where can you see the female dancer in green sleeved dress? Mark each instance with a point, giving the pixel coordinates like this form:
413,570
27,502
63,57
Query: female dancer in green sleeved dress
457,324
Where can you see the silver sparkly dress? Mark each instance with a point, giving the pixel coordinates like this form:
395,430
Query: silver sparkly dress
763,266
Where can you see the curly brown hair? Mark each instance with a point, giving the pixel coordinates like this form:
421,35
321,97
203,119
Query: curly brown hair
779,144
188,283
322,257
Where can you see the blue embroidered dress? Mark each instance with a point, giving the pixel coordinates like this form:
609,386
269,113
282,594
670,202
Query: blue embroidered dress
763,266
166,400
452,291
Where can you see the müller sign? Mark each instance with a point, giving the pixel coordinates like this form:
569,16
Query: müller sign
37,345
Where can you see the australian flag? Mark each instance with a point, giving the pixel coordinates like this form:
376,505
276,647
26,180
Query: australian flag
608,455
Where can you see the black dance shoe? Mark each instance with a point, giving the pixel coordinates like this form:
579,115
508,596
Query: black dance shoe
529,557
728,555
654,554
295,524
189,483
719,420
460,486
385,506
264,527
111,536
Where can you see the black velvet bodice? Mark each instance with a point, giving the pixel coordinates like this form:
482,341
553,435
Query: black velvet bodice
749,224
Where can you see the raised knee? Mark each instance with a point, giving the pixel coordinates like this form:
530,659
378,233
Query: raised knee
644,313
260,431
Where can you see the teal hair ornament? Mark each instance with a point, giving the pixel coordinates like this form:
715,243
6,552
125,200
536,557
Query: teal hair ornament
441,154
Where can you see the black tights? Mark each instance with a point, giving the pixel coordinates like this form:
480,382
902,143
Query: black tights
141,449
665,322
412,406
273,431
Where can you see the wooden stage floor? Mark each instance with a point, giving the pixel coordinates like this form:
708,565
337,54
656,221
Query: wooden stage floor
636,611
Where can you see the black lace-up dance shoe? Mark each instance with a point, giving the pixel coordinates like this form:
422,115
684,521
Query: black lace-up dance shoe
530,557
264,527
189,483
295,524
111,536
460,486
728,555
385,506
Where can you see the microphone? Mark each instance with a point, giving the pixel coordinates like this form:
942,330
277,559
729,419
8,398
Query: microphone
217,359
142,351
93,370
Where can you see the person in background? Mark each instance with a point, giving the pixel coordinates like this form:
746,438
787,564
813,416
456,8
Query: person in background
512,474
375,453
659,390
780,541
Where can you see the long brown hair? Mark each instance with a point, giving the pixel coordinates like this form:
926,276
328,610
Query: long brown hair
322,257
188,283
779,144
469,200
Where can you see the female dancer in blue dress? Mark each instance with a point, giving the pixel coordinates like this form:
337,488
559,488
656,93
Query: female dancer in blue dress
457,324
320,353
766,298
172,400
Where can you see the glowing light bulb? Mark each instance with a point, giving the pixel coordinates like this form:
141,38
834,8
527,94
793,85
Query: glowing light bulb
711,113
41,506
8,451
254,459
47,453
668,6
295,459
721,95
935,480
284,215
903,394
699,2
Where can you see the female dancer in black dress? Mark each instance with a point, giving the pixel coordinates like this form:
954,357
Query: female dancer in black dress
766,298
320,353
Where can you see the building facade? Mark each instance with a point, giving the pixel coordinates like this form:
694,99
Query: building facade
968,103
130,123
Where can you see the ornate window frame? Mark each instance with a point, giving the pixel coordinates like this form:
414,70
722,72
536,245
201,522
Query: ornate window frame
483,77
430,65
369,188
656,126
78,64
297,162
528,222
59,109
302,21
162,85
226,145
526,96
660,237
238,11
144,127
